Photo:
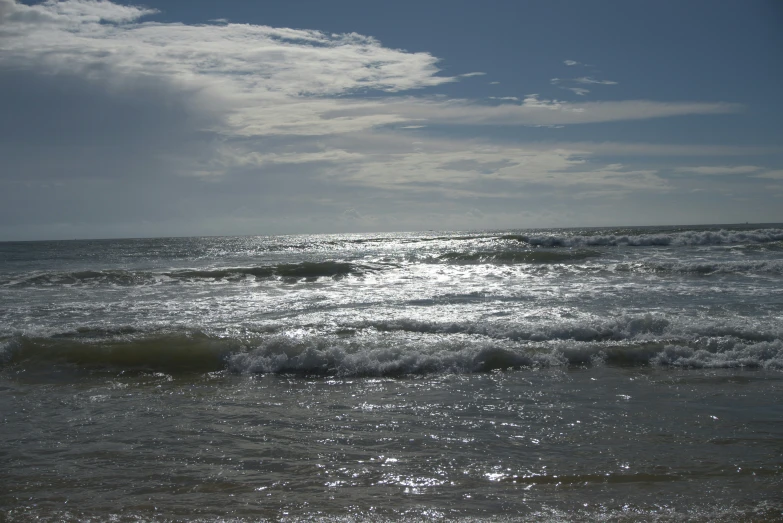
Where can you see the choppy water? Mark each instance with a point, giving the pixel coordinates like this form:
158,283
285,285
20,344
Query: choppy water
547,375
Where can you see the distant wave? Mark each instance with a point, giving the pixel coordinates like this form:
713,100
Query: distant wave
293,271
705,268
516,256
396,348
113,277
639,238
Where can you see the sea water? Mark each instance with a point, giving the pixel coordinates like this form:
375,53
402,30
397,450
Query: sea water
536,375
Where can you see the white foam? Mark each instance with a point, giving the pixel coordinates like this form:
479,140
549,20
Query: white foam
767,355
321,355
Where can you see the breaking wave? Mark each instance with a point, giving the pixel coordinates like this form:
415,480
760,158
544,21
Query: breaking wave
405,347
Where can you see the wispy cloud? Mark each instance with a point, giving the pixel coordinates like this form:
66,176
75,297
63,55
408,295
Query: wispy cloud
571,63
568,84
473,167
532,111
772,175
591,80
720,169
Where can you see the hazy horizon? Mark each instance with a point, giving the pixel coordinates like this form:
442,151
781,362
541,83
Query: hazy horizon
749,225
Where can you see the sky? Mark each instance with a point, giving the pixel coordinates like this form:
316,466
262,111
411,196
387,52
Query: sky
192,117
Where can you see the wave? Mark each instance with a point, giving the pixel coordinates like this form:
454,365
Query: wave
407,348
96,349
303,270
308,271
87,277
642,239
515,256
646,328
704,268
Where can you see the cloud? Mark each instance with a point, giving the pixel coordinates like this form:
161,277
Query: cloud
571,63
563,83
664,149
773,175
472,168
249,80
249,62
469,75
591,80
532,111
720,169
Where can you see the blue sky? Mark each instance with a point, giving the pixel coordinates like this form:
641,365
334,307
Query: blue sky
235,117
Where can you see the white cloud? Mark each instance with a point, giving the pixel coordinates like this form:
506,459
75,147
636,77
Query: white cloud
469,75
257,62
720,169
571,62
578,90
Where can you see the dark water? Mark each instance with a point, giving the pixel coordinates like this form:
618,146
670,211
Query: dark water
559,375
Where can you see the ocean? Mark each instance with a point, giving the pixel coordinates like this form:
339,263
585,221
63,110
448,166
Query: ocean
613,374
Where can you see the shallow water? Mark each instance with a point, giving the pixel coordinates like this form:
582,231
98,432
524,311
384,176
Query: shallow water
578,443
620,375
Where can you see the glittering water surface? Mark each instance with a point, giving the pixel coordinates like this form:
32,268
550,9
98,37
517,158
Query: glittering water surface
556,375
